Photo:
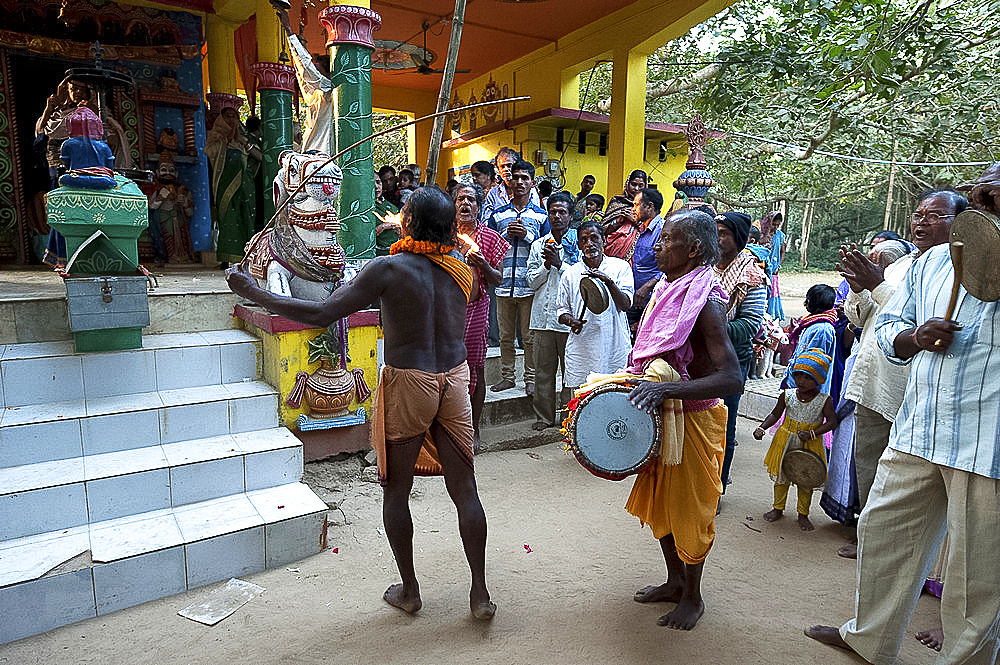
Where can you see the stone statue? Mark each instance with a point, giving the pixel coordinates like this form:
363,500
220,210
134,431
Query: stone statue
85,153
170,208
300,256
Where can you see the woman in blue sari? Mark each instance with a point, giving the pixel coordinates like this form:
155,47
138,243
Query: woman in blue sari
773,238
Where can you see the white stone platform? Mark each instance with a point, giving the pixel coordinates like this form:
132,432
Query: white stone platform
131,475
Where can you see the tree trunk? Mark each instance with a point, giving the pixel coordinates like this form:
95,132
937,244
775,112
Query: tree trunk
807,220
444,96
892,180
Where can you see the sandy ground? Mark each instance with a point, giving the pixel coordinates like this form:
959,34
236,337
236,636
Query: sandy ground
568,601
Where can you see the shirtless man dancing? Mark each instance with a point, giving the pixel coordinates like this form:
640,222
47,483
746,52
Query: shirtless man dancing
423,287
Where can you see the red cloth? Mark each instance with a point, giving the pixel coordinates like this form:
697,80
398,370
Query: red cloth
477,314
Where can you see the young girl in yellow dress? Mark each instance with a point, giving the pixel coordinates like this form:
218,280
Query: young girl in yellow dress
810,414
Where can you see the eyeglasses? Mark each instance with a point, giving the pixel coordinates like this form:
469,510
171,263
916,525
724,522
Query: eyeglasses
929,217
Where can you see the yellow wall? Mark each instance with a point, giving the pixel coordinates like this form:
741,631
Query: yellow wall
529,138
549,76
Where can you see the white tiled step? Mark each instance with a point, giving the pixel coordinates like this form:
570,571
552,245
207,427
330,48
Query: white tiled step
67,493
61,430
123,562
47,372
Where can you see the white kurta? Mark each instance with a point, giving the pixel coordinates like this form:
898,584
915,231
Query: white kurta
604,342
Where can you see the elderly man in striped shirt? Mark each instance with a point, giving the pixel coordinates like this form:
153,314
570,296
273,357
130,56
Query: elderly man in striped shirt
941,472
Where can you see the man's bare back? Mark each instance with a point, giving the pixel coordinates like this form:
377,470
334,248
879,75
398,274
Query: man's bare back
423,309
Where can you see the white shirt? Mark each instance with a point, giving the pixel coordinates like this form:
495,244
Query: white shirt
876,383
604,342
545,282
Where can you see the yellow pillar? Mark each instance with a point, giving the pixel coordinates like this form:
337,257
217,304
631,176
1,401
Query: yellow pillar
354,3
270,35
569,93
626,134
221,54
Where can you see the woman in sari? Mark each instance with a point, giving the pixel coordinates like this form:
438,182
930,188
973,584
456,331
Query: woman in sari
619,218
773,238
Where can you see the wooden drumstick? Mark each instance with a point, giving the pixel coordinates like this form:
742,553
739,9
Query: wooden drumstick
958,247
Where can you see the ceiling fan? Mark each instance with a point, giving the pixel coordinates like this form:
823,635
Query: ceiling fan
422,60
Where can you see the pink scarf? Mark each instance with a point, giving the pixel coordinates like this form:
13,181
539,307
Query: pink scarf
669,319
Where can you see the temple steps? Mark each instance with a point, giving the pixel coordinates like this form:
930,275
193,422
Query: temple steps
159,470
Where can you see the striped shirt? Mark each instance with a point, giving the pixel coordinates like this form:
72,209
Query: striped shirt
515,262
951,411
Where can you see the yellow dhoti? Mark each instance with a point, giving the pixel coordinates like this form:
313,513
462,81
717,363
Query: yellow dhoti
682,498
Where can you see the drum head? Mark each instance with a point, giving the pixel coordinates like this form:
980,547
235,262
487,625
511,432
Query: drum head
595,293
980,231
612,438
804,468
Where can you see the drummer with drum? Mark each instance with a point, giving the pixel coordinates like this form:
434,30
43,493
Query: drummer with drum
797,454
593,296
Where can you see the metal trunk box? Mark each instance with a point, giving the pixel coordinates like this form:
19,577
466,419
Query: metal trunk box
107,313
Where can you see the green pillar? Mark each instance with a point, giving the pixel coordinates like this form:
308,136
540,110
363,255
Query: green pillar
349,30
275,83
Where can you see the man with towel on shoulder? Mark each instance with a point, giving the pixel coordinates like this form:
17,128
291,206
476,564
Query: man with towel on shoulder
422,420
684,355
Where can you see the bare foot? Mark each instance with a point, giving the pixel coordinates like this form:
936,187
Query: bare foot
805,524
665,593
773,515
848,551
684,617
931,639
482,608
397,597
827,635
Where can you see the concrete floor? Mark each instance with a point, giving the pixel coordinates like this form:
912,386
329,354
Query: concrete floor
568,601
29,282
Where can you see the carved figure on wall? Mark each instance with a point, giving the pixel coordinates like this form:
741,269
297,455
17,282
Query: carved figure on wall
170,208
328,391
300,256
167,140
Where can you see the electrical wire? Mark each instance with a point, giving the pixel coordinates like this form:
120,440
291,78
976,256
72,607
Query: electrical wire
836,155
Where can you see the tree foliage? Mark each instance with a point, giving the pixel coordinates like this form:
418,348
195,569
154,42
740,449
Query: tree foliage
903,80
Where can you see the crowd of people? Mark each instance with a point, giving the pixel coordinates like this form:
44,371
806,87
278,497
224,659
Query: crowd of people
892,395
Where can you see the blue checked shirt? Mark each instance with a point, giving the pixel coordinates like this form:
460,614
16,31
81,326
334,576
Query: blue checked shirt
951,411
515,262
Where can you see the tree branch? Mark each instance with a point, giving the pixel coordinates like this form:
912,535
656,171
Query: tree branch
791,199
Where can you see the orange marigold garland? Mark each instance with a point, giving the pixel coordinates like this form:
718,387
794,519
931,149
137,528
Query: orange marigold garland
408,244
570,409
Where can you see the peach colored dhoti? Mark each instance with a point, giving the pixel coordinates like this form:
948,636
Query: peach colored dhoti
408,401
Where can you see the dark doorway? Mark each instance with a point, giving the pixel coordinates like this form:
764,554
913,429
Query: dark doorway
33,79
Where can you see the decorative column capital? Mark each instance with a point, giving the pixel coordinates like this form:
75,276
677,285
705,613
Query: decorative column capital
223,100
348,24
274,76
696,180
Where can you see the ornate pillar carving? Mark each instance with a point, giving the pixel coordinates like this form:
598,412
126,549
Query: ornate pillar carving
275,83
349,38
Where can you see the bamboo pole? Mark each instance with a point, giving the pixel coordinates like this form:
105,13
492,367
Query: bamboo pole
444,96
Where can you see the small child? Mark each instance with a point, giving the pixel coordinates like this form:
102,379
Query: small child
593,208
767,340
810,415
